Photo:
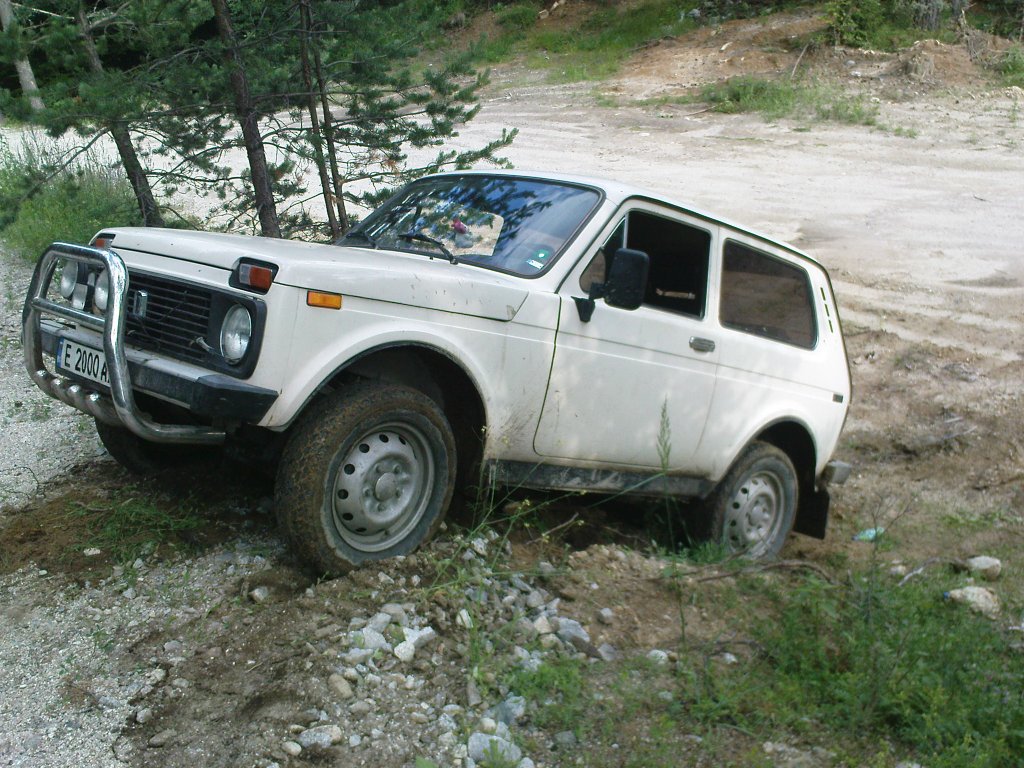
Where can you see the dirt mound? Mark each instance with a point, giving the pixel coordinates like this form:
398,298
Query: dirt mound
791,43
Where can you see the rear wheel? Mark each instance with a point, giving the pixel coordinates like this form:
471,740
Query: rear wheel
366,474
753,508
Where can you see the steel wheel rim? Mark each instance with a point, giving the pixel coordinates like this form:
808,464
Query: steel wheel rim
754,513
381,487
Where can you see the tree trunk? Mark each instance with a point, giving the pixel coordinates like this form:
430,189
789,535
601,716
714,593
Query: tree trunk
122,139
332,150
25,75
314,121
248,119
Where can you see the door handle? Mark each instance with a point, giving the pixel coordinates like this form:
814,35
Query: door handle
701,345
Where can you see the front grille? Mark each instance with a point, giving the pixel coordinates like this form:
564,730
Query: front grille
171,319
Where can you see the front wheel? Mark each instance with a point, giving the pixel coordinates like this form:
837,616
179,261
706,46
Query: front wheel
366,474
753,508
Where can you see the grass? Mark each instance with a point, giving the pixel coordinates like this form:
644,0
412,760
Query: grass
43,200
127,528
861,669
775,99
1011,66
592,50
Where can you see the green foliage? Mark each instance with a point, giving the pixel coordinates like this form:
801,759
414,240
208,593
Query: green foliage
557,684
775,99
876,663
43,199
159,69
596,48
517,17
890,24
1011,66
852,22
129,526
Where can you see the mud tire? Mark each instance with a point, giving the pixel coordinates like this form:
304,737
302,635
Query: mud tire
367,473
751,512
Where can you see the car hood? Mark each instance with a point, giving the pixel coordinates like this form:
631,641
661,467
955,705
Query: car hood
401,278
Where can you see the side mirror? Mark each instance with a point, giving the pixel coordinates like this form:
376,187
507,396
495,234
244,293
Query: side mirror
627,279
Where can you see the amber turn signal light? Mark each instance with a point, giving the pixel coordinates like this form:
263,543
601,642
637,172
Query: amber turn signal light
323,300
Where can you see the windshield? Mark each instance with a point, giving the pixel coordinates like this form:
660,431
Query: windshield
499,222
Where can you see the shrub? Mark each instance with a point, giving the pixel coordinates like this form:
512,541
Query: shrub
40,203
518,16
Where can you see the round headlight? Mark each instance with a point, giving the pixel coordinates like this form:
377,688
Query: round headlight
235,333
101,293
69,279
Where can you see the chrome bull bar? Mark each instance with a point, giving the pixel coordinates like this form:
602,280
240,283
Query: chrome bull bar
119,408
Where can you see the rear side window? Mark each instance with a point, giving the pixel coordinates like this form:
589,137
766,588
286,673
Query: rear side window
766,296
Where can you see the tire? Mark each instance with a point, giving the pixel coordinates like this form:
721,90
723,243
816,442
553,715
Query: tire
366,474
753,508
141,457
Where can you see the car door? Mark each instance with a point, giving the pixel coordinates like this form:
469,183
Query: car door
632,387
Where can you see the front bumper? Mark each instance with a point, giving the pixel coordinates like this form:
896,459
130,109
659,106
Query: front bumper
204,394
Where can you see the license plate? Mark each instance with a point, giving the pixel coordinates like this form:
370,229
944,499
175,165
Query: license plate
82,361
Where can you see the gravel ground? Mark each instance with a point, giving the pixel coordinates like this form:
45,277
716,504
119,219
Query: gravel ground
40,437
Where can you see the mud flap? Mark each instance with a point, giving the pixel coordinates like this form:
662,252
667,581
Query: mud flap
812,515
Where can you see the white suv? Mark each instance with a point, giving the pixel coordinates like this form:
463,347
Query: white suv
555,332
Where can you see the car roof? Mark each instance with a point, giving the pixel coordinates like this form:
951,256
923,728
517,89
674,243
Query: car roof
618,192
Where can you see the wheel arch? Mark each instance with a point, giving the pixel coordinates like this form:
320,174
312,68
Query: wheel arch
434,373
795,440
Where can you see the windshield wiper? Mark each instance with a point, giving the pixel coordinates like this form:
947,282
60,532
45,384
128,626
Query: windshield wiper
358,233
419,237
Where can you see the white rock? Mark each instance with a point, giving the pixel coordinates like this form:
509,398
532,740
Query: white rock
379,622
291,748
144,715
405,651
372,640
463,619
543,626
988,568
341,687
571,631
550,642
357,656
420,637
259,595
487,725
658,656
535,599
482,747
479,546
606,615
91,552
978,599
320,737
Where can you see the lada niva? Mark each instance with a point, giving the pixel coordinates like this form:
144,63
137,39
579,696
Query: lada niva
535,330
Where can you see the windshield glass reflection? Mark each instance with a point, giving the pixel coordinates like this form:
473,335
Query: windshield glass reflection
499,222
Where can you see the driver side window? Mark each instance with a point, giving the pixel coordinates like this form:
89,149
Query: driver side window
679,254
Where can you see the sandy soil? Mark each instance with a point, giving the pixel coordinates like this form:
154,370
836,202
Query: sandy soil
920,223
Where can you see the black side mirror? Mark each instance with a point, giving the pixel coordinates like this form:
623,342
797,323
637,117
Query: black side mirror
623,287
626,282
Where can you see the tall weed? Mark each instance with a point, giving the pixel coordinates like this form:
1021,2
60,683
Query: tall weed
43,199
901,663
